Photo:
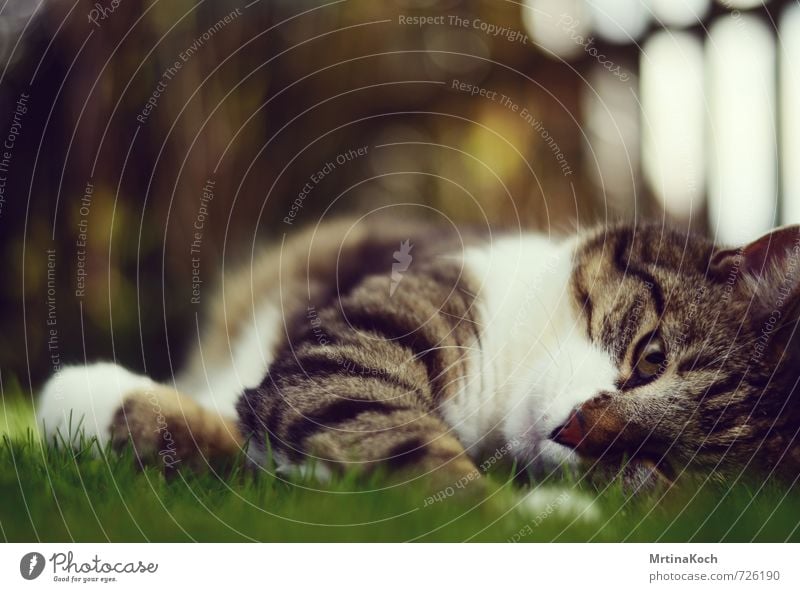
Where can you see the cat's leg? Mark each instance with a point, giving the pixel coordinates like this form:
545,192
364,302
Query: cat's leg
360,381
109,403
410,444
407,442
353,433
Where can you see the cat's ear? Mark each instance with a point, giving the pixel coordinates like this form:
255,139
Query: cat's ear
765,271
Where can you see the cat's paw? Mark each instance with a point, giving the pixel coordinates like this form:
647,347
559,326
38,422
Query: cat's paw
153,421
79,402
168,429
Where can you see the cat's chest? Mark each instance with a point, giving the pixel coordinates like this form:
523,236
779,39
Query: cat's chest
524,303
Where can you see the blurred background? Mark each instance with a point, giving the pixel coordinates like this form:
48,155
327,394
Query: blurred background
149,144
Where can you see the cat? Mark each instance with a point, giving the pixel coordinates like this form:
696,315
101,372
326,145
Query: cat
424,351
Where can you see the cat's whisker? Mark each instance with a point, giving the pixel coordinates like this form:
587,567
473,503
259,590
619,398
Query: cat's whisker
549,353
468,293
722,356
461,318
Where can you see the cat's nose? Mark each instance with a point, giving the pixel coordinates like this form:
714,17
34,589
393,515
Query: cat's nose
572,432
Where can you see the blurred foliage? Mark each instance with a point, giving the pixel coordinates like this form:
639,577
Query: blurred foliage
263,102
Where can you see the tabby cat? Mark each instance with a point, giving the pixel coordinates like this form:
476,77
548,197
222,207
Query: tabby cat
424,351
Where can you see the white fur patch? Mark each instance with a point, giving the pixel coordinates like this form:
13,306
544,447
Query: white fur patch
218,387
83,399
535,362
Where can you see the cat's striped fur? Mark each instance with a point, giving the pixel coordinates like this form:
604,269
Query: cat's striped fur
398,346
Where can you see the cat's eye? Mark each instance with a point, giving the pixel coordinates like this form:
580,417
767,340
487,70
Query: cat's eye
652,357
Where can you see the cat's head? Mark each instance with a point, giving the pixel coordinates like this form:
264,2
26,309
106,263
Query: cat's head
703,339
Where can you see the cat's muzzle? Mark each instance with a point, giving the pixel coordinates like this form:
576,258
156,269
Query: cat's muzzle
597,428
594,431
572,432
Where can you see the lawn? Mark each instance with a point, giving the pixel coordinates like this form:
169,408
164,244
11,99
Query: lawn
56,494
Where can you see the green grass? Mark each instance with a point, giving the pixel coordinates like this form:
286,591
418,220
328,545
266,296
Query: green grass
57,494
